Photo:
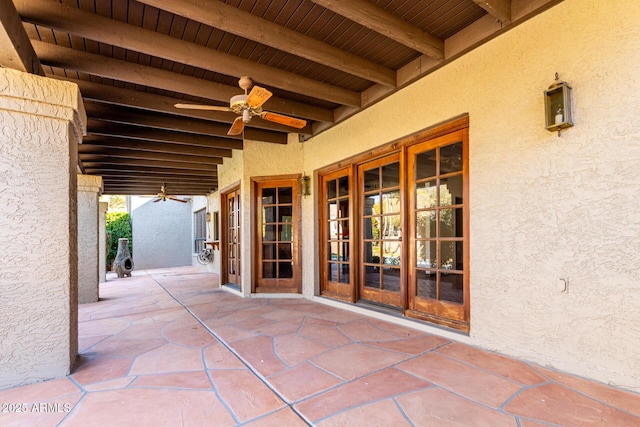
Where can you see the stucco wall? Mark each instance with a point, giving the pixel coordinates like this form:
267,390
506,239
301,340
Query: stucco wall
89,189
102,241
213,201
198,203
542,206
257,159
40,124
161,235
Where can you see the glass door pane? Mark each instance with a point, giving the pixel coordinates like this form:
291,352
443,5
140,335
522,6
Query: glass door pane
232,237
277,237
381,230
437,200
336,279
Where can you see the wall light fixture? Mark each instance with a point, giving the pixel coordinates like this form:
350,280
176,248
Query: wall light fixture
558,106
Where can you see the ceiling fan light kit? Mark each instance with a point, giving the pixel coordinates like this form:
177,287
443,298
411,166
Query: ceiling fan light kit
248,105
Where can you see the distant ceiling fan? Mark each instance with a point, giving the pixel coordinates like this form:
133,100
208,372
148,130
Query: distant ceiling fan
248,106
163,196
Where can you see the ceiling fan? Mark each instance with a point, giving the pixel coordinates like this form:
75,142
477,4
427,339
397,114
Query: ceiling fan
163,196
248,106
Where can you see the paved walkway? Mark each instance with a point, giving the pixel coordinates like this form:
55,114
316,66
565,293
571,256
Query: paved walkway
169,348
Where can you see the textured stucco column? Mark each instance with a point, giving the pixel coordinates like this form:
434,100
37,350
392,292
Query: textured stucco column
41,123
102,241
89,190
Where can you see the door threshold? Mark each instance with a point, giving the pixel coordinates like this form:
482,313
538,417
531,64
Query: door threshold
232,286
380,308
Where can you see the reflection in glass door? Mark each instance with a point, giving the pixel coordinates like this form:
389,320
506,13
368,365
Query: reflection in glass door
381,231
277,264
336,277
438,277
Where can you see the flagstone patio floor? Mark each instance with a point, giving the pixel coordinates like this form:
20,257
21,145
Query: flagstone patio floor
168,347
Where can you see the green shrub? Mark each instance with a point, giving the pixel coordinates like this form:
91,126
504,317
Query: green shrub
118,227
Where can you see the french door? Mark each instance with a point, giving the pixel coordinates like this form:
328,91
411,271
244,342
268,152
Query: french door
438,276
394,230
277,236
336,276
380,216
231,236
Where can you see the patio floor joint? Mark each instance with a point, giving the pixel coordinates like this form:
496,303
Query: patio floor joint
235,353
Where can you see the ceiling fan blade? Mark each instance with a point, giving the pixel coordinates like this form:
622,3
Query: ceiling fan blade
284,120
156,200
175,199
201,107
236,127
257,97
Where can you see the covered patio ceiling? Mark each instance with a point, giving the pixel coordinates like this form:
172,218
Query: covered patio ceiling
323,60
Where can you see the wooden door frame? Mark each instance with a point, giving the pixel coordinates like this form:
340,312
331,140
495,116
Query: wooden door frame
224,227
297,224
352,294
402,293
440,310
460,123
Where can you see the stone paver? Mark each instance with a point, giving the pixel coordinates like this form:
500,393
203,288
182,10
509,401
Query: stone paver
169,347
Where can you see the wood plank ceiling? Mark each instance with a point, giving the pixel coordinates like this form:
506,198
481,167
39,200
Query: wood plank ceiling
324,61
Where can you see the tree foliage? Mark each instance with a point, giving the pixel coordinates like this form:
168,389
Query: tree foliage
116,203
118,226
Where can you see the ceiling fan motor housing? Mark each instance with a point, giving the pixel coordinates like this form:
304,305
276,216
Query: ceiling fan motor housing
237,103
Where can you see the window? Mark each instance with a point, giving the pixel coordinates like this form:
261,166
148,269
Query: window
199,230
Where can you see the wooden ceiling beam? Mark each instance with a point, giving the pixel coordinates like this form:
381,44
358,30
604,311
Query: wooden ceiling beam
115,33
117,178
135,187
149,192
165,104
389,25
124,115
103,66
148,170
154,184
152,190
232,20
16,51
103,128
89,143
92,153
500,9
98,161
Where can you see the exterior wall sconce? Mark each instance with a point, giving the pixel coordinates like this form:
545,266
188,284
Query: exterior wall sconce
305,185
558,106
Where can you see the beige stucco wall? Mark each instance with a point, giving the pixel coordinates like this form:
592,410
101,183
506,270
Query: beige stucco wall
41,121
211,205
89,190
257,159
542,207
102,241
